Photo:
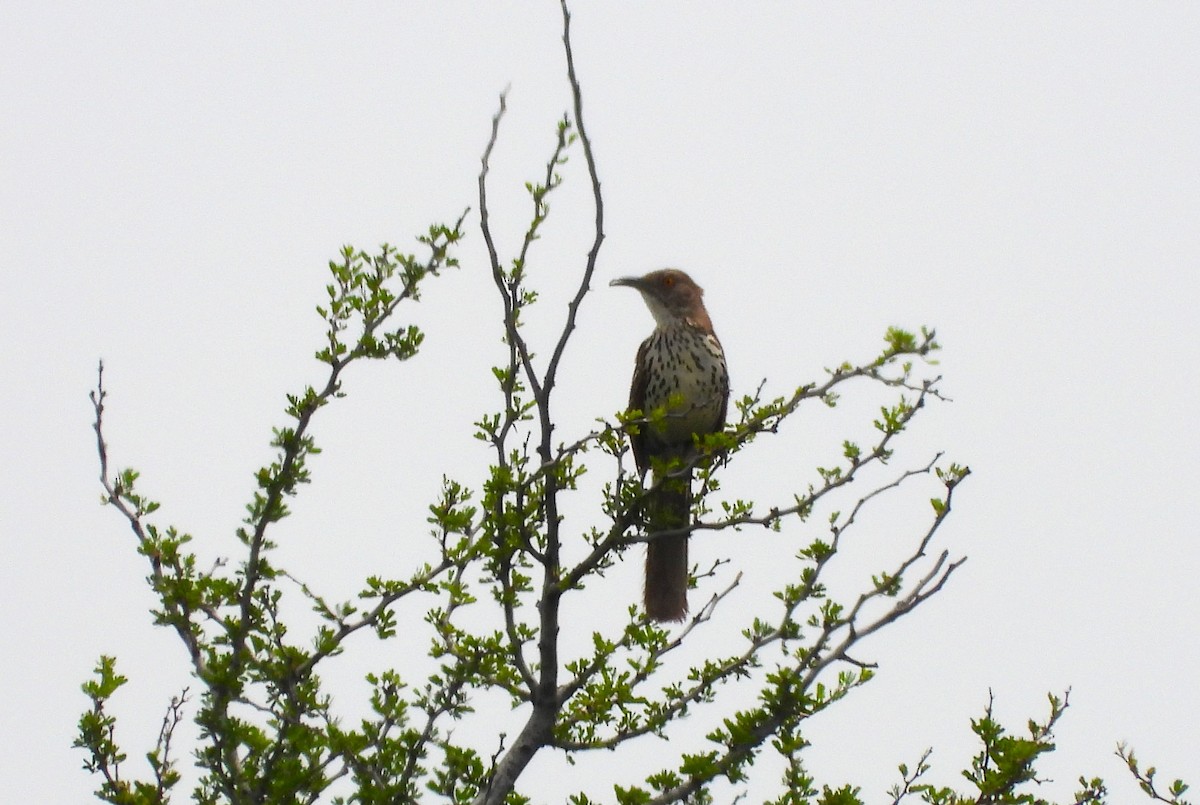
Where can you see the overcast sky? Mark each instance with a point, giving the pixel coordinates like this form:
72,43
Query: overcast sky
1022,176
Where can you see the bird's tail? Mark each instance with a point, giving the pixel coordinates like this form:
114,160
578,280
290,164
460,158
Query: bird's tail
668,507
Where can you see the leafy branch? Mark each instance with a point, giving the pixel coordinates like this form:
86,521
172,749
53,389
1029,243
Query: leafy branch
229,624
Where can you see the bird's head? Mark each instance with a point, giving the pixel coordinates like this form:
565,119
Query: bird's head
671,295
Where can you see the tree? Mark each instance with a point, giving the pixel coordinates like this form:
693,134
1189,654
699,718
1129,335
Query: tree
504,559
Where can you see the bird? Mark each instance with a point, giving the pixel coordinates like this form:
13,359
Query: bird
680,367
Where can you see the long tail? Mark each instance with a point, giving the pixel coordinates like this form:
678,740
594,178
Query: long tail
668,507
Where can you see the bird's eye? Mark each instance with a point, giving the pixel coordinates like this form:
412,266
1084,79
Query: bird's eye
668,281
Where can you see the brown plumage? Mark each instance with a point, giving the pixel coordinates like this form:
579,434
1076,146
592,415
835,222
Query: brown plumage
681,357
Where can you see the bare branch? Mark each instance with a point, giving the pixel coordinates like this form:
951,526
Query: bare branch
597,200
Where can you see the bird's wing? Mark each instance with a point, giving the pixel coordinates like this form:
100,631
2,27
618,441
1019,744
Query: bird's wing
637,401
720,423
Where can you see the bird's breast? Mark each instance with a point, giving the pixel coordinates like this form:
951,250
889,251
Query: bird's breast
686,362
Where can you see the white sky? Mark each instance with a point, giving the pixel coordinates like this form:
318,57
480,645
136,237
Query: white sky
1022,176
